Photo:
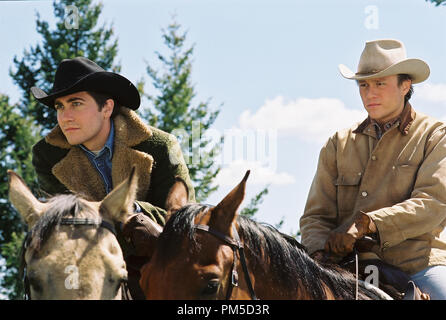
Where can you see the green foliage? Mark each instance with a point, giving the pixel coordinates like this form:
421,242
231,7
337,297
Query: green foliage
172,110
39,63
437,2
17,136
251,209
11,251
21,126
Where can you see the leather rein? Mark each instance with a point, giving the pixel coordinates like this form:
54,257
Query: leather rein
99,223
236,246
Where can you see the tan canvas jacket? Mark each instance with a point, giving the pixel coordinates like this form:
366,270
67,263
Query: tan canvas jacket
399,181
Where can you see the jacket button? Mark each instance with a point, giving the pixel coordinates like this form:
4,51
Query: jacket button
386,245
364,194
373,157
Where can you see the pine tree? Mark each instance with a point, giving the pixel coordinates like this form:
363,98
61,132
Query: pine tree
17,136
173,110
76,34
11,285
251,209
437,2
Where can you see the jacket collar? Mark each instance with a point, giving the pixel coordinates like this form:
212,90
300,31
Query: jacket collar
77,173
406,117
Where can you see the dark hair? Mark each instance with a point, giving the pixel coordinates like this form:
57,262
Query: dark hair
401,79
101,98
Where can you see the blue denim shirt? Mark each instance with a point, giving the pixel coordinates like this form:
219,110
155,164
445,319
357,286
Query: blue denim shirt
103,161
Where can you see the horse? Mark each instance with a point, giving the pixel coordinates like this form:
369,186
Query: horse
71,250
203,249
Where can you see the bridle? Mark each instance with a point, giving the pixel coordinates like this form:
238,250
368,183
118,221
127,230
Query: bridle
99,223
236,245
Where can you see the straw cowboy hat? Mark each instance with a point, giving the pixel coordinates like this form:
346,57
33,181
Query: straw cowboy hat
82,74
382,58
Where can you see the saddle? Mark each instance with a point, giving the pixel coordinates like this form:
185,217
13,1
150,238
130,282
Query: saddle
392,280
140,232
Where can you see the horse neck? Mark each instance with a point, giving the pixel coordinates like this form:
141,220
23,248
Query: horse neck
312,281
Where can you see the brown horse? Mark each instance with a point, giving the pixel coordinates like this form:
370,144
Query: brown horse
207,252
71,251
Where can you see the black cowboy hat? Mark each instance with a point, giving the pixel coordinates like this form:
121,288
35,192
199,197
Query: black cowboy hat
82,74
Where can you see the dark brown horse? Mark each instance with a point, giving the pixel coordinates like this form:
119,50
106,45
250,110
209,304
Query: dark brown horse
207,252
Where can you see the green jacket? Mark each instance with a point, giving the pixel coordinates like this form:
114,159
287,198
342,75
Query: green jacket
63,168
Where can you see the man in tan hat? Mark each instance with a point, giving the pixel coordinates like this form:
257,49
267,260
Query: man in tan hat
384,177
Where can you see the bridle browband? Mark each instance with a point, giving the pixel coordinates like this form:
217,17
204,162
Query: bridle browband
236,246
99,223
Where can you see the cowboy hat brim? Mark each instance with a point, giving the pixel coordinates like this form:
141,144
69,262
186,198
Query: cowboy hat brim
416,68
111,83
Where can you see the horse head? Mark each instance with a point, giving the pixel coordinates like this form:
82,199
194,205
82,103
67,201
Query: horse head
181,267
71,251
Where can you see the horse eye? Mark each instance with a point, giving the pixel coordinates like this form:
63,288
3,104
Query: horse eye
211,287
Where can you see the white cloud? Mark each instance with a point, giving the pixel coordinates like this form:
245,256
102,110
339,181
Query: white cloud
431,92
309,119
260,175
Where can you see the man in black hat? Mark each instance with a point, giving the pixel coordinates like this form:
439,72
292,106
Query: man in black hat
97,142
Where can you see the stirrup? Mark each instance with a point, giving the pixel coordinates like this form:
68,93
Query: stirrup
412,292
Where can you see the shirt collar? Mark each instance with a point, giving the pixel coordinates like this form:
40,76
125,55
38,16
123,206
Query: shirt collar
108,144
406,119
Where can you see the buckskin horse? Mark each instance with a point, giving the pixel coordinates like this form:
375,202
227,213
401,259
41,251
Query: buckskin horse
71,251
207,252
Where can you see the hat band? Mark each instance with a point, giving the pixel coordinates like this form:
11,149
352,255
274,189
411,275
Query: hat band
368,72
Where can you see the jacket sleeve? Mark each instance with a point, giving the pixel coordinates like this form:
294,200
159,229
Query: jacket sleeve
320,212
169,164
425,210
44,156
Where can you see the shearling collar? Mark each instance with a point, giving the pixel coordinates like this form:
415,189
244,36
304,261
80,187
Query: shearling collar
77,173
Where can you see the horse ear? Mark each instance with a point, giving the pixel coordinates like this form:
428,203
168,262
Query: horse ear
23,200
177,197
227,208
120,201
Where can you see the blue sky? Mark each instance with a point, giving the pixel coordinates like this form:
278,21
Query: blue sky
273,66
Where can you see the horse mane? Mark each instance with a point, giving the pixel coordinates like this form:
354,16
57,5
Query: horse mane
290,265
59,206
